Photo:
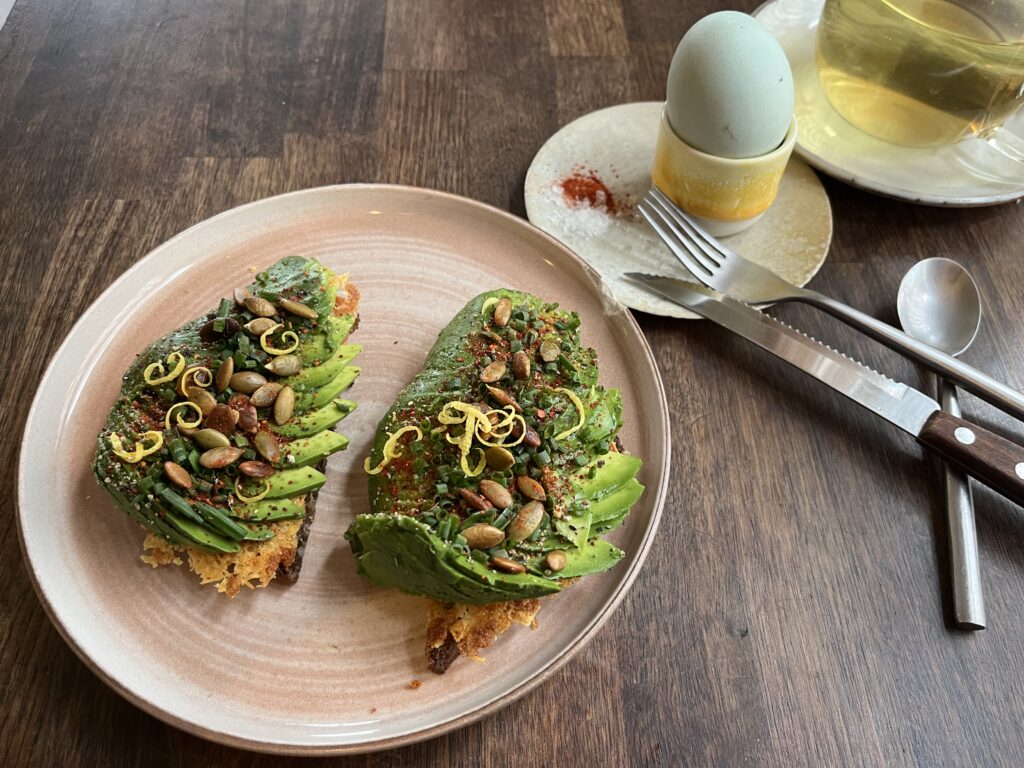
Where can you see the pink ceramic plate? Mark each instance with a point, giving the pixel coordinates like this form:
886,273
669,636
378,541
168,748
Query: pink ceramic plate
326,665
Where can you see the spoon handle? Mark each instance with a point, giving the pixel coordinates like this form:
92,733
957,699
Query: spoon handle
965,575
968,377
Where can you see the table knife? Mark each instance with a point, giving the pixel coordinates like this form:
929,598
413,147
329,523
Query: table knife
993,460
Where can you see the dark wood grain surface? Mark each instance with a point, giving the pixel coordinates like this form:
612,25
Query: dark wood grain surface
793,611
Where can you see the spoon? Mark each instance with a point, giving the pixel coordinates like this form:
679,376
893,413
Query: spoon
939,304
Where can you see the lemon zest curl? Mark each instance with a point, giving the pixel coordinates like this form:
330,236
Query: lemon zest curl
157,369
270,349
249,499
181,420
391,449
579,409
140,451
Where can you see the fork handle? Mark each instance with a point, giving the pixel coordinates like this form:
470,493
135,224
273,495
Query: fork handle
968,377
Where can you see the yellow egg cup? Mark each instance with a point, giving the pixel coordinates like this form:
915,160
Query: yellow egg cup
726,195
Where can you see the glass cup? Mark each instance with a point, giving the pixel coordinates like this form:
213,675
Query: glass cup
925,73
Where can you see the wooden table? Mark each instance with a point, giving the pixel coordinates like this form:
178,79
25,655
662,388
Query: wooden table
793,610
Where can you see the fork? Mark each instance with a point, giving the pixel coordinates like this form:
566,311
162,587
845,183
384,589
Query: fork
717,267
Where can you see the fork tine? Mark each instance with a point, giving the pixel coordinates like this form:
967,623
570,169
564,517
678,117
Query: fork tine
686,253
708,259
685,221
693,231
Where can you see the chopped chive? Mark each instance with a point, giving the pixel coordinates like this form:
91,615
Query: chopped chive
442,489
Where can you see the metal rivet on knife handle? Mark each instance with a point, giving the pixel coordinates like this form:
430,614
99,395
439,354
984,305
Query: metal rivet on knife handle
964,435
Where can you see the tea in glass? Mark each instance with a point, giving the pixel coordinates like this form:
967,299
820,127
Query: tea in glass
923,72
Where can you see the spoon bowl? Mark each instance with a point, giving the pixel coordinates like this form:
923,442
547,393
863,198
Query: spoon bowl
939,304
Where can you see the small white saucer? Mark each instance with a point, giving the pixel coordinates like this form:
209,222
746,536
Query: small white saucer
970,173
617,146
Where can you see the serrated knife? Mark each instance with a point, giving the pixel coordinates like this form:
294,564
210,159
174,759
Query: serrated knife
993,460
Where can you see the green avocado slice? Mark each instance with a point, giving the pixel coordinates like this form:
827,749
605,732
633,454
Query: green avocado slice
310,378
269,510
415,538
294,482
314,449
319,348
310,423
332,389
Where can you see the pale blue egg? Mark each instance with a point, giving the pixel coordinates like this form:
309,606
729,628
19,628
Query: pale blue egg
730,88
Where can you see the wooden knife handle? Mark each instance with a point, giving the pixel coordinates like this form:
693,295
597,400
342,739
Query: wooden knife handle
991,459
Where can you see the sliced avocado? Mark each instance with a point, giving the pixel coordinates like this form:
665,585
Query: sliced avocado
293,482
311,450
329,391
575,528
201,536
616,503
320,348
399,551
316,421
314,376
609,472
593,557
268,510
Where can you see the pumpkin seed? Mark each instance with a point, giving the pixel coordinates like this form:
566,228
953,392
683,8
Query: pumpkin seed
247,382
483,536
285,365
241,294
504,398
260,306
255,469
531,438
248,419
496,493
259,326
224,374
265,395
223,419
297,309
493,372
521,365
267,447
179,476
530,488
526,521
550,350
507,565
474,500
284,406
499,458
202,398
211,438
502,312
218,458
555,561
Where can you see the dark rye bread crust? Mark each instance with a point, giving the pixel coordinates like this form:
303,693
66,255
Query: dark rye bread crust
290,573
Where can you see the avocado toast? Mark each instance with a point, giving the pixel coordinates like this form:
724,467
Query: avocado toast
217,442
495,474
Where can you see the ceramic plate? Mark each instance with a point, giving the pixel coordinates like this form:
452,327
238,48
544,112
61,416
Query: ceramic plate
616,145
327,665
970,173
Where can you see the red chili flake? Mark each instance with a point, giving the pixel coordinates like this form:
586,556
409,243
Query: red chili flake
589,191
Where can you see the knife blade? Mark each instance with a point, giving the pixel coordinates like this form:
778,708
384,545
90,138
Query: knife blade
993,460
